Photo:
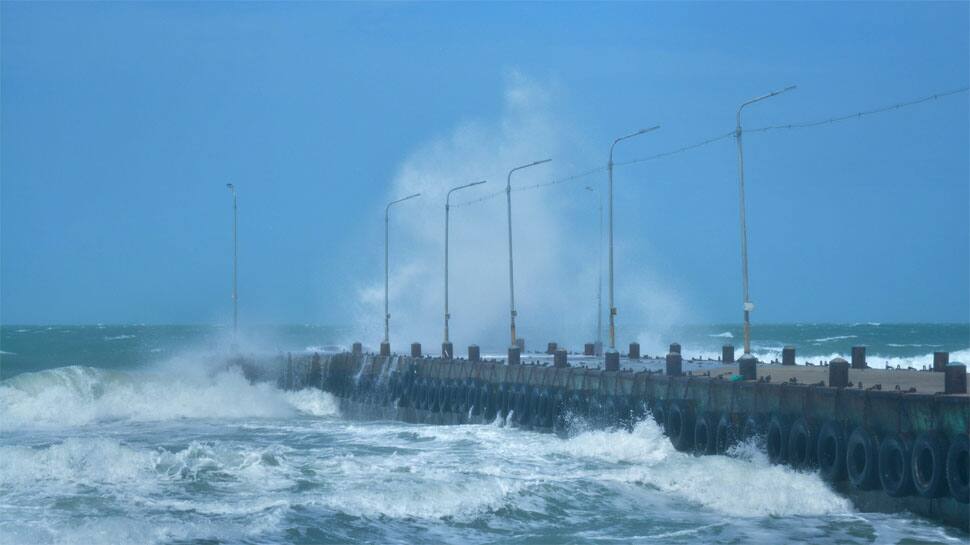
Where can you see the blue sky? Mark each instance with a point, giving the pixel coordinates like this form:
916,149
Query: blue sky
121,124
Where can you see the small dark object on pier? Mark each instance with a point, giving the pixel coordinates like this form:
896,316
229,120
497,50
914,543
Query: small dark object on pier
474,353
955,381
788,355
634,351
940,361
858,357
415,350
839,374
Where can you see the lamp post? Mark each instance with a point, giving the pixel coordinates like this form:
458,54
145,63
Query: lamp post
598,347
513,348
386,345
612,356
748,305
446,346
235,297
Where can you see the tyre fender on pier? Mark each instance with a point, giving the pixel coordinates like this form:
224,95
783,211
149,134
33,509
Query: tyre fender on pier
725,435
929,464
705,434
680,424
831,451
802,445
776,438
958,467
895,472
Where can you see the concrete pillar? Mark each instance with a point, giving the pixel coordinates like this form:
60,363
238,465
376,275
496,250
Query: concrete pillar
634,351
520,342
358,349
675,348
474,354
727,353
385,349
940,359
589,349
955,381
838,373
748,367
551,348
415,350
515,356
447,350
788,355
612,360
559,358
858,357
674,364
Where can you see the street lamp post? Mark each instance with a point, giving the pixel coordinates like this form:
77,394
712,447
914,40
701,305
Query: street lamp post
748,305
598,347
612,356
235,297
514,348
447,350
386,345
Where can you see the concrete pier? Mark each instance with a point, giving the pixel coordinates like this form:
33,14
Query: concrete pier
831,417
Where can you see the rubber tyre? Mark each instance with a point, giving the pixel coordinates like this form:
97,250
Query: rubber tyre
659,413
776,438
680,426
958,467
929,464
705,435
830,451
802,444
726,434
862,459
895,472
752,426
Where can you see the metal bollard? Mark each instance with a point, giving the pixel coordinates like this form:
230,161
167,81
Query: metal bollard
358,349
748,367
838,373
474,354
674,364
385,349
675,348
515,356
634,351
415,350
727,353
612,360
858,357
520,342
447,351
551,348
955,380
588,349
559,358
788,355
940,360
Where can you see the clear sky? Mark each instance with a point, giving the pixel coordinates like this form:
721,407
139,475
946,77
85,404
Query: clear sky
122,123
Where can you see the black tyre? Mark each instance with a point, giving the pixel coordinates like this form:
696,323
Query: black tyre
726,435
830,451
895,473
802,444
958,468
705,435
752,427
929,464
862,459
776,438
680,425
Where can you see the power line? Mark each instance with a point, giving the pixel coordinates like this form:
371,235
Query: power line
718,138
857,115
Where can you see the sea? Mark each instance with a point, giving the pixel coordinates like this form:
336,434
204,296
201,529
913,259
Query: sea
140,434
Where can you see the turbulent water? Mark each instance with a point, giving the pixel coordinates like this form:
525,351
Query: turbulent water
134,435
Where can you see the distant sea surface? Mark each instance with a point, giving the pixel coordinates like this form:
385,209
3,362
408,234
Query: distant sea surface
136,434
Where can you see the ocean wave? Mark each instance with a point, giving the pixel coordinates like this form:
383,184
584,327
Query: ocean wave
77,395
119,337
725,335
835,338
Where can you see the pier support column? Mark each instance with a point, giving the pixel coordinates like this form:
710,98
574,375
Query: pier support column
447,350
940,359
474,354
838,373
589,349
357,349
955,380
515,356
559,358
385,350
612,360
788,355
674,364
634,351
748,367
415,350
551,348
727,353
858,357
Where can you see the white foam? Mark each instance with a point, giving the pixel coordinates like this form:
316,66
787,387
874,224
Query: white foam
725,335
